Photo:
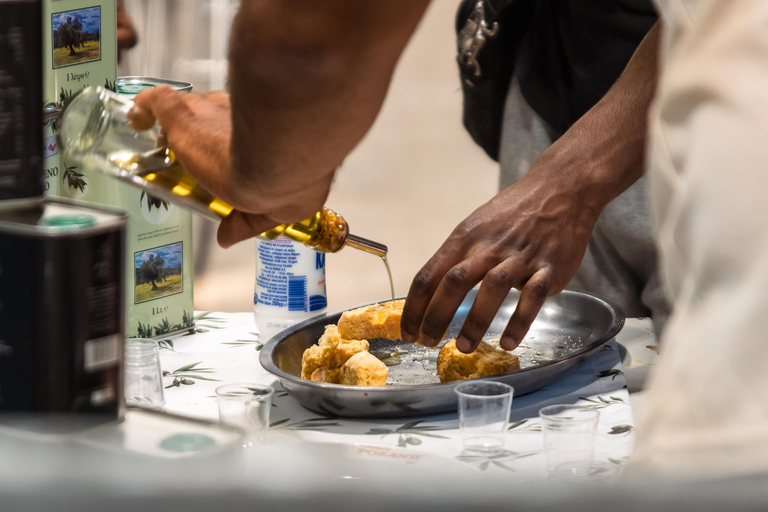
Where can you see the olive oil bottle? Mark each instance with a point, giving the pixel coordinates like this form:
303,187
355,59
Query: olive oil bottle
94,130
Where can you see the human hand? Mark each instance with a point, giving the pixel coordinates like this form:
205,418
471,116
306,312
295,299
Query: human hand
532,236
198,128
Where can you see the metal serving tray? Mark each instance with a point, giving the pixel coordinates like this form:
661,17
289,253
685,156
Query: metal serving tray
570,327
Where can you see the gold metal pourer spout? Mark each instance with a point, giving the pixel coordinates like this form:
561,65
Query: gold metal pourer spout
363,244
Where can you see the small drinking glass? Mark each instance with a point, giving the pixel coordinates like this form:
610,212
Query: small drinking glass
484,408
246,406
143,377
569,443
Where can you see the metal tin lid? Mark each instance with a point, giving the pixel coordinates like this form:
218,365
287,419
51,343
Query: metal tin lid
51,113
69,220
133,85
58,217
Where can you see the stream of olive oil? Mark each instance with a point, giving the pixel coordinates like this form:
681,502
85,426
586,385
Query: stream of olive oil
389,273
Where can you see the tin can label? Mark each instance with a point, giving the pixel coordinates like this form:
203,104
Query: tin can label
79,50
20,93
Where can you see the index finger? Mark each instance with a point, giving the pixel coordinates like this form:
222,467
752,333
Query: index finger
420,294
239,226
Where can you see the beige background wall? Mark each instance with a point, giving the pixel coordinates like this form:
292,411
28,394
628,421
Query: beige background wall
410,181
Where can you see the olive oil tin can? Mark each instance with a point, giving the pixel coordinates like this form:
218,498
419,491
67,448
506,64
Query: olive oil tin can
133,85
62,335
160,280
20,94
79,50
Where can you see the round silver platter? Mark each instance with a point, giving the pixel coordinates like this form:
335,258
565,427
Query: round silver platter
570,327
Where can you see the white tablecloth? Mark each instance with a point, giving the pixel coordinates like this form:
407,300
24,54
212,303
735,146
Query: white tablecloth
226,347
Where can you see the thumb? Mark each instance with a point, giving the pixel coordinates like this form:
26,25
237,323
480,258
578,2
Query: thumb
239,226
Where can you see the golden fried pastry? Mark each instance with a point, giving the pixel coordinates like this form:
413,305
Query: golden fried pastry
364,369
324,374
319,355
488,359
377,321
346,349
330,353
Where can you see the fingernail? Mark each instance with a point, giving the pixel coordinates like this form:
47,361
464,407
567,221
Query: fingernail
427,341
463,344
408,337
508,343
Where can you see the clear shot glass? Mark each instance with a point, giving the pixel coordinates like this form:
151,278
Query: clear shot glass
143,377
246,406
483,414
569,433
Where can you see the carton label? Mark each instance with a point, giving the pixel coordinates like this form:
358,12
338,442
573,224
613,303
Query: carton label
50,147
80,50
159,273
76,39
101,353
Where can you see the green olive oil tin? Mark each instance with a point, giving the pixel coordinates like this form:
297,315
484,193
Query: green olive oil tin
79,50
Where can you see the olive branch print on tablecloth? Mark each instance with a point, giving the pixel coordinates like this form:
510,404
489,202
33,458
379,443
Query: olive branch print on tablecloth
499,459
621,430
244,343
166,344
612,373
204,321
319,423
602,403
406,433
524,426
186,375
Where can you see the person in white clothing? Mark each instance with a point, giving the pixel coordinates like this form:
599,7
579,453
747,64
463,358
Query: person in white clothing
706,411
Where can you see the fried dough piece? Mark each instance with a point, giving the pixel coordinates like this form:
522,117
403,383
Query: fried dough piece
330,354
324,374
344,350
319,355
488,359
377,321
364,369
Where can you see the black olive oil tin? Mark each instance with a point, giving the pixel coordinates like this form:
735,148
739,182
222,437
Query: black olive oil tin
62,329
21,95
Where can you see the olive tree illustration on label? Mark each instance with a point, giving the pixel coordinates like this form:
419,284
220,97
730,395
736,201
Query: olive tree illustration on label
76,36
158,272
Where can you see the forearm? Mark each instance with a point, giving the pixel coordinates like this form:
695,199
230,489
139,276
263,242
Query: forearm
306,85
603,153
